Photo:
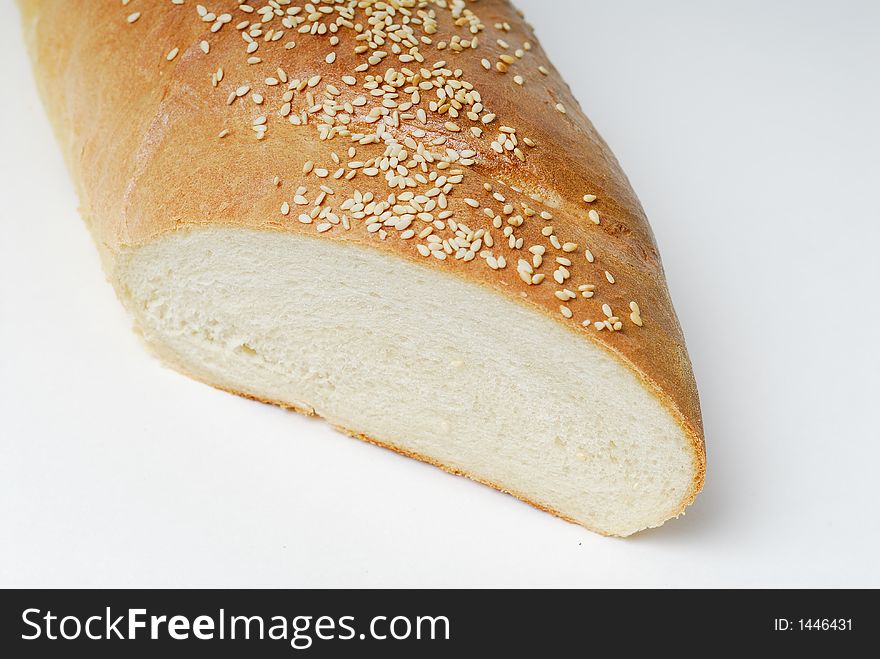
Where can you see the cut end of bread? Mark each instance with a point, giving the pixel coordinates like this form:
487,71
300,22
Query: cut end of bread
418,360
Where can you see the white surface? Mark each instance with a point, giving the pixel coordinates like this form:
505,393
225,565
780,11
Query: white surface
751,135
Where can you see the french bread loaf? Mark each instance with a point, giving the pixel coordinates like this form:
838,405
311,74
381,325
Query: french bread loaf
388,213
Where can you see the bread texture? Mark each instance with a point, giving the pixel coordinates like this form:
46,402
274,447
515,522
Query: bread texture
392,214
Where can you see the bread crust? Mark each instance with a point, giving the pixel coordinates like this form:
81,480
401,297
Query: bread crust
140,134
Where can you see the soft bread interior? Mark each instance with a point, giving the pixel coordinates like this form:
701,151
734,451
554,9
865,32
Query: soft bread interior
416,359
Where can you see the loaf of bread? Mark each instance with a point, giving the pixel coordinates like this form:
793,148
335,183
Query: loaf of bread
388,213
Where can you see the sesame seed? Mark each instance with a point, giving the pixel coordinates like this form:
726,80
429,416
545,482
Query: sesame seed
609,277
636,315
133,17
390,122
594,216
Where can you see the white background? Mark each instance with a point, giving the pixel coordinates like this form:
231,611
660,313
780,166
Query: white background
749,130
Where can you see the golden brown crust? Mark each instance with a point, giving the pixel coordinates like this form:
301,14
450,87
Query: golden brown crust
139,128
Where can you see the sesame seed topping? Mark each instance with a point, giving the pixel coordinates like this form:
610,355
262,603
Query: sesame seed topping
384,100
636,315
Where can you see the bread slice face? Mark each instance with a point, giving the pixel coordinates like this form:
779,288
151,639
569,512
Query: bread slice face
393,214
425,363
